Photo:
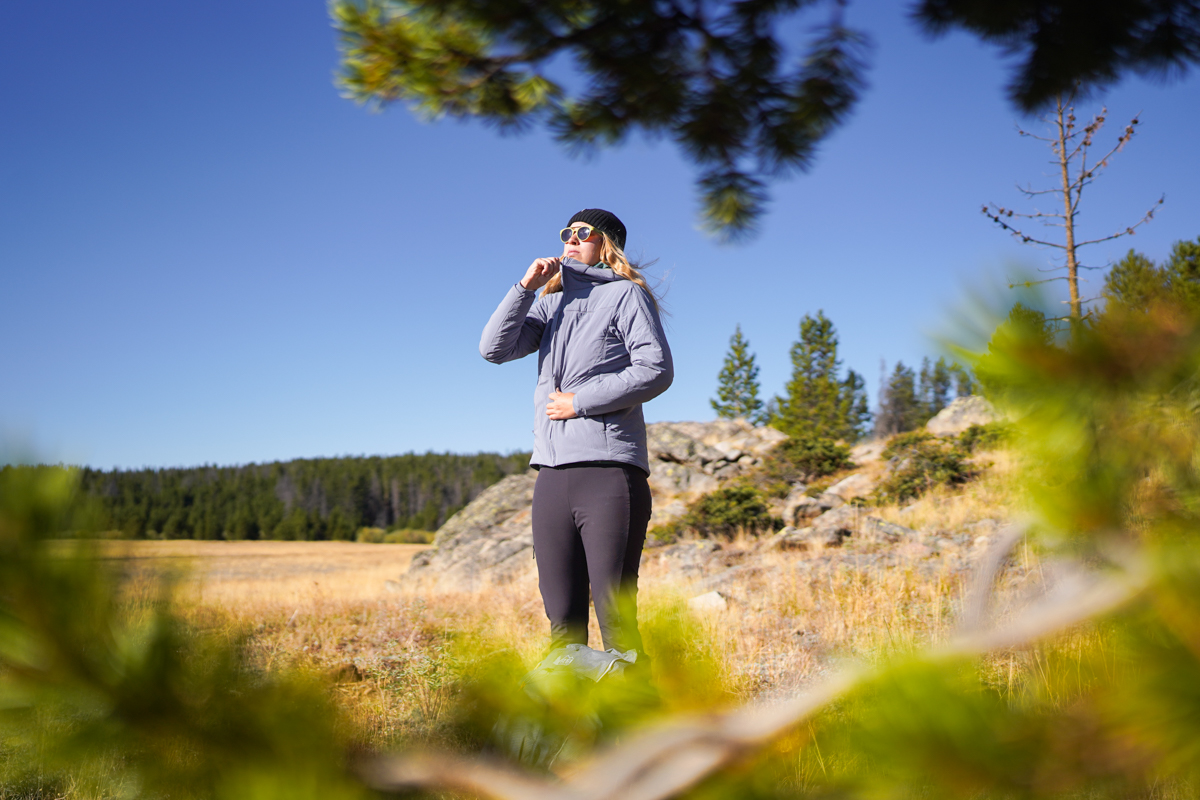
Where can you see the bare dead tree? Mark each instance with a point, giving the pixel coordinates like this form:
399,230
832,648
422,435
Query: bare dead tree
1071,146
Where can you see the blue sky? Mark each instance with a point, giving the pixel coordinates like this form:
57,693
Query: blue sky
208,256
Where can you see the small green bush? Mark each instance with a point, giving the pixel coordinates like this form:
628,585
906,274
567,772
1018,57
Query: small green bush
922,464
984,437
817,488
402,536
663,534
409,536
726,511
370,535
903,441
801,458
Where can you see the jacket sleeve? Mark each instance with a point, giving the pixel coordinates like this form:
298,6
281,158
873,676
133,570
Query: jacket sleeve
650,371
514,331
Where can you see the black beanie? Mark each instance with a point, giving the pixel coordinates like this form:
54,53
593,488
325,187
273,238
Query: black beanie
605,221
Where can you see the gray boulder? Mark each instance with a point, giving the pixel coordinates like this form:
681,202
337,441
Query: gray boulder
878,530
671,478
962,414
868,452
857,485
836,524
489,540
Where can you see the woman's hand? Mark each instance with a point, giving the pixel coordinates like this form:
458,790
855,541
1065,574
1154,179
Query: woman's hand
561,405
539,273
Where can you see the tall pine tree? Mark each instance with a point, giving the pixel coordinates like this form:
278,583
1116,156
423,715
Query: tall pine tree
900,407
1135,283
817,403
936,385
737,383
855,409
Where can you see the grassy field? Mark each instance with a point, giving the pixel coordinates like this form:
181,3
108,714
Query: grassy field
392,655
237,574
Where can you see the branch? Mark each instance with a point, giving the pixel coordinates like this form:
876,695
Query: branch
1036,192
1027,284
1034,135
1024,237
1128,231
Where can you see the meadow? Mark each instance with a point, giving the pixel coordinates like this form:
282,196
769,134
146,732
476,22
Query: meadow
391,653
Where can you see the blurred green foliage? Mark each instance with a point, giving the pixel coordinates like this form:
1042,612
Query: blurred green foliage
120,699
984,437
713,78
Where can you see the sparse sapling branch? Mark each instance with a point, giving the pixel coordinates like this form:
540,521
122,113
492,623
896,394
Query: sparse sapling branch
1071,146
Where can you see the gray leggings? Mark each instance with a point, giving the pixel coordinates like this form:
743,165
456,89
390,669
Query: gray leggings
589,524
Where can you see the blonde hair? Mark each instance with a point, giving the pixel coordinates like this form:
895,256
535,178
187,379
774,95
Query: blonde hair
616,260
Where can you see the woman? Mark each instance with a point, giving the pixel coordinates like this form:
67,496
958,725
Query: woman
601,354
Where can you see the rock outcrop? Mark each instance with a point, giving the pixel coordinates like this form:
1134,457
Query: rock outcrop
492,538
961,414
489,540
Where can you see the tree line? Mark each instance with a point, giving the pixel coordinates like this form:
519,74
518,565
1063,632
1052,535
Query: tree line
303,499
820,403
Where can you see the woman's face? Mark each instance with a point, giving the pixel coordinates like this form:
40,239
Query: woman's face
587,251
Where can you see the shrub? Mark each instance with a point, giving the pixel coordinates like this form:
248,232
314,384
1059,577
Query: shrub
726,511
817,488
370,535
401,536
922,464
801,458
409,536
665,533
902,442
984,437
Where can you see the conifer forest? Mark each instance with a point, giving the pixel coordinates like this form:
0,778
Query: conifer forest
302,500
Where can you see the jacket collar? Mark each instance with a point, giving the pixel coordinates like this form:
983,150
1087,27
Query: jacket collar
577,273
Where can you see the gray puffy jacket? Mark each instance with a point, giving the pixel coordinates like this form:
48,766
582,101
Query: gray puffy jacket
601,338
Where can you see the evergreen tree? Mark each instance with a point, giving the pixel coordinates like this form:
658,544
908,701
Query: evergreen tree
1024,327
900,408
855,408
1135,283
965,384
1183,274
713,76
737,383
325,498
936,385
817,403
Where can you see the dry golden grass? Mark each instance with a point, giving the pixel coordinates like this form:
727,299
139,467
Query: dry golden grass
234,574
995,494
325,606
